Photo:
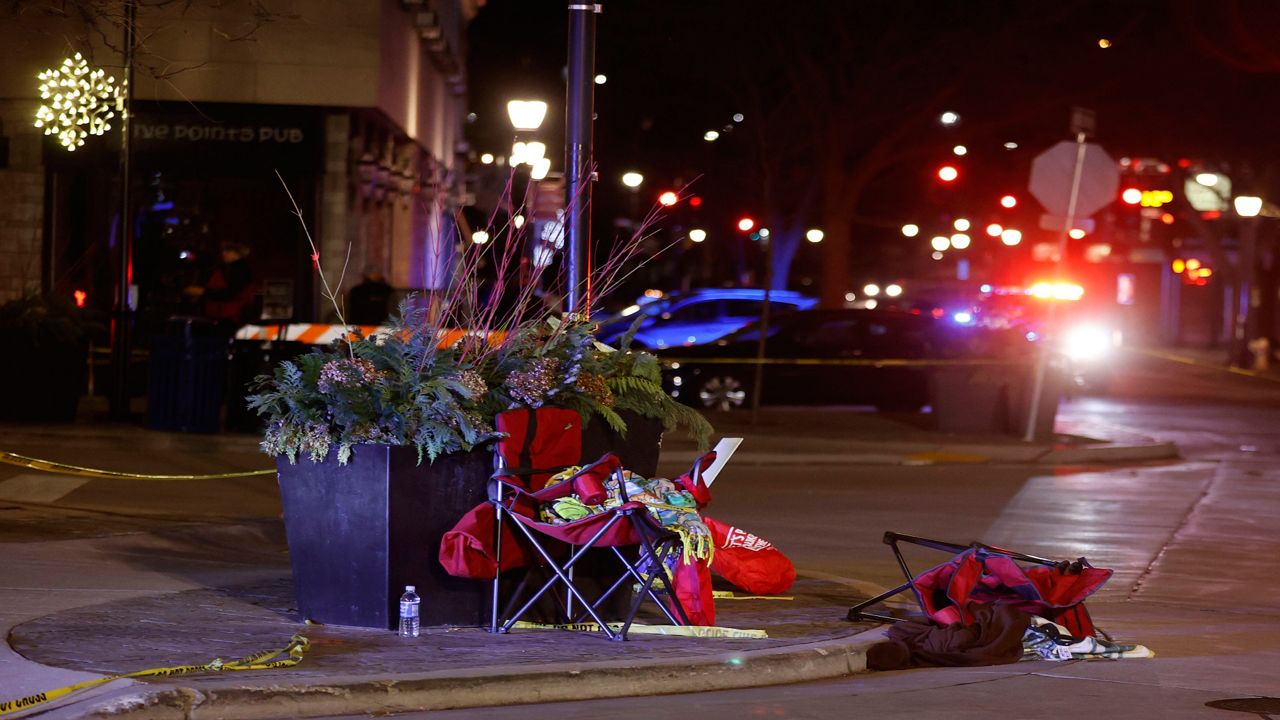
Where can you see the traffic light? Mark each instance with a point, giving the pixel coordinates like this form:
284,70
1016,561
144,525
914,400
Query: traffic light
695,201
746,223
948,174
1008,202
668,198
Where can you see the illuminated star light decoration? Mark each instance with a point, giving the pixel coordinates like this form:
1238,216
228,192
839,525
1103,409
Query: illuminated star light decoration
83,101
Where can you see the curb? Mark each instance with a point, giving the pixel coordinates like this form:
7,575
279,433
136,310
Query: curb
886,454
510,685
1110,452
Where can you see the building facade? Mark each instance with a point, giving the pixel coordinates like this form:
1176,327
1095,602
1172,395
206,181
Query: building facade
265,126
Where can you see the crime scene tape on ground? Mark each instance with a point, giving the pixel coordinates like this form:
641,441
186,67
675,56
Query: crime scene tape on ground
1186,360
65,469
258,661
702,631
730,595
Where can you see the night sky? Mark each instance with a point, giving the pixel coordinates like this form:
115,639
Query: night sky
866,81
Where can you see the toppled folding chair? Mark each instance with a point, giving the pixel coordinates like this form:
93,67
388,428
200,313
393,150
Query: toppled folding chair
980,573
540,444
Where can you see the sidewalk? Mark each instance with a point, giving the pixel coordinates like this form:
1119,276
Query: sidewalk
357,670
175,590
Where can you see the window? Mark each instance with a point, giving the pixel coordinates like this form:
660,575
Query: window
696,312
828,335
743,308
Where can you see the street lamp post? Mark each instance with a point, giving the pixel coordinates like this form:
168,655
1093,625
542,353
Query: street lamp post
121,329
580,109
1247,207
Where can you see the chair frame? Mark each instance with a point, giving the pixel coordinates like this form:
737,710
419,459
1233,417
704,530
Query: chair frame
656,542
859,611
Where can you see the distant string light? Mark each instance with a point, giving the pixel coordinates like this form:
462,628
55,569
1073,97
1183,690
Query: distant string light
83,101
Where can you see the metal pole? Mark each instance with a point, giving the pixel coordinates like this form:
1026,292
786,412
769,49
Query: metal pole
579,116
120,331
757,384
1042,363
1246,315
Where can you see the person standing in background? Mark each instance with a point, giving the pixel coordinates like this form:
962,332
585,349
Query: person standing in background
369,303
227,294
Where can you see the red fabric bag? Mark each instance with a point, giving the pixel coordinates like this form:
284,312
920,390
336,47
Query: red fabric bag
467,550
693,590
749,561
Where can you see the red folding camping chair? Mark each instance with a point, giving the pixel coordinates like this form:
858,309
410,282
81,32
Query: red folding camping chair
981,573
538,444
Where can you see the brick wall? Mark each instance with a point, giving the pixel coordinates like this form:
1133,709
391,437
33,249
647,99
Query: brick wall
21,203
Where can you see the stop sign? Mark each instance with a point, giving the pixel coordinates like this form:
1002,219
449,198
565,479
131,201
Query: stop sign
1051,174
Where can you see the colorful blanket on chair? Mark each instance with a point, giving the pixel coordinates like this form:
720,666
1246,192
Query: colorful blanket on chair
672,506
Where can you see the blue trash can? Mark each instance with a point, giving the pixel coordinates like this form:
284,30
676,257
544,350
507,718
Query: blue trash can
186,377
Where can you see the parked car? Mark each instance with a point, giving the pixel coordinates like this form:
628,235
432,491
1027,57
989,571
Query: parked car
817,357
696,317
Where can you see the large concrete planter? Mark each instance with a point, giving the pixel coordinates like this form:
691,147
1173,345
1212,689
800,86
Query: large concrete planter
994,399
638,451
359,533
42,382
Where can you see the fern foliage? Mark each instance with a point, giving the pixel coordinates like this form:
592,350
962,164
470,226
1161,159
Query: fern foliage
400,388
396,388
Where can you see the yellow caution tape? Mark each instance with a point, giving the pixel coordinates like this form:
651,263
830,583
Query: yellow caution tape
65,469
729,595
702,631
258,661
1186,360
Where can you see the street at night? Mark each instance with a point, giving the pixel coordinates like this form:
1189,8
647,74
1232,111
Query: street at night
1189,540
722,359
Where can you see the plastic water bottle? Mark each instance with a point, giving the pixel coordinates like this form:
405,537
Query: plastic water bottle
409,604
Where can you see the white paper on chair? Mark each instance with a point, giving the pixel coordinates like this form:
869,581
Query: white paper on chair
724,450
